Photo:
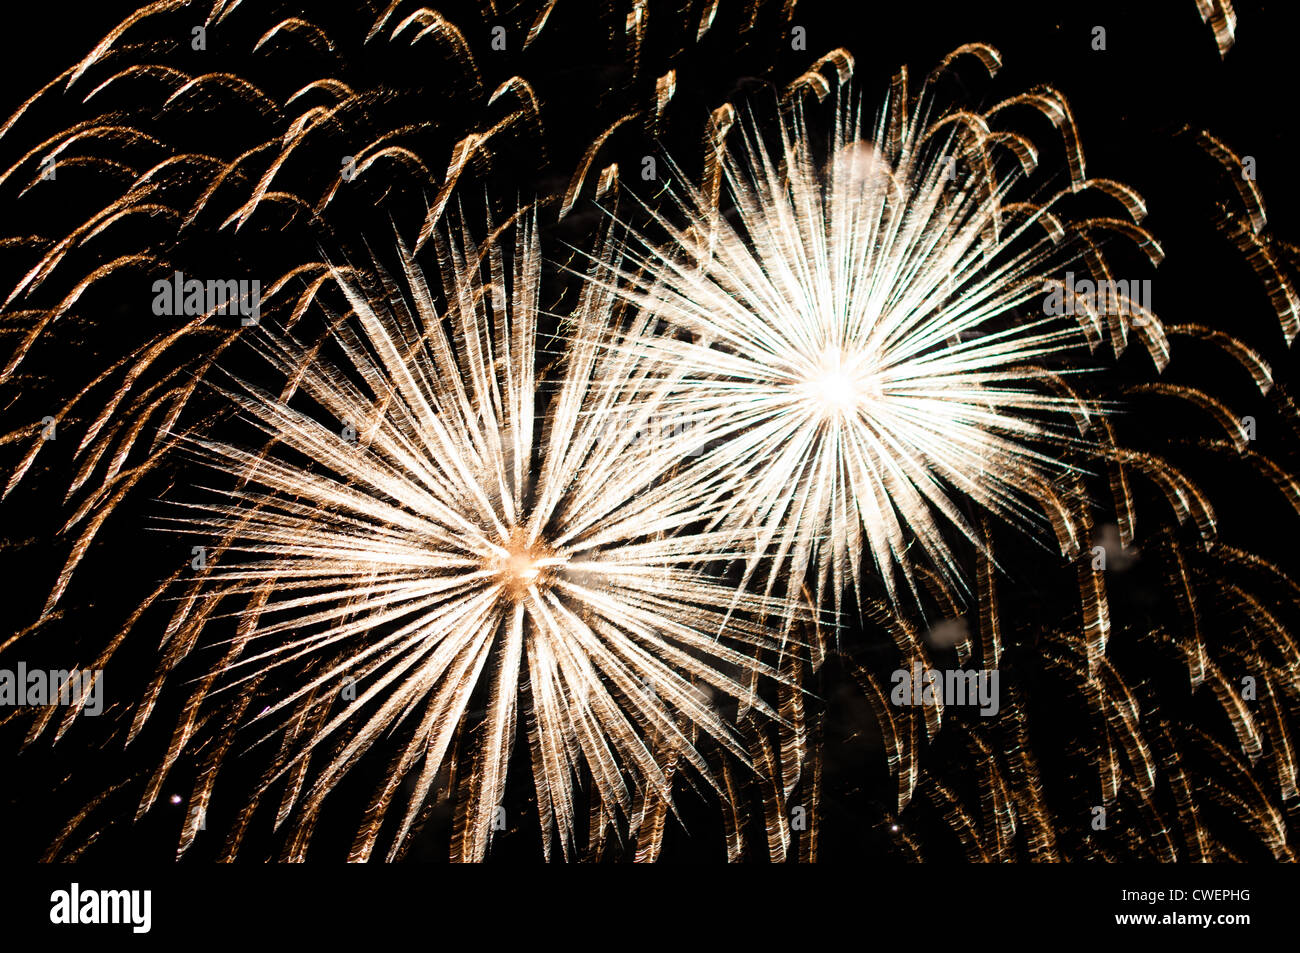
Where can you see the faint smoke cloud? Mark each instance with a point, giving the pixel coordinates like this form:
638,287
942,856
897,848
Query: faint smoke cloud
949,632
1118,558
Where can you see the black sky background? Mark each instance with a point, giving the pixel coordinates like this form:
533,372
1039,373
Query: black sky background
1160,73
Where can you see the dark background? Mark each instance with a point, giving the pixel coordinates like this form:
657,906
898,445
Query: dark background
1161,72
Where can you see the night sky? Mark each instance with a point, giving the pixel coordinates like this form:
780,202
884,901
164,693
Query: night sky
1159,76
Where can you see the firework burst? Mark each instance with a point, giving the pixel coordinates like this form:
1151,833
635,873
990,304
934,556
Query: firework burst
857,345
458,543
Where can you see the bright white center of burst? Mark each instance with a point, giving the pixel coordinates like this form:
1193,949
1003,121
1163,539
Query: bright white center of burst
836,387
835,391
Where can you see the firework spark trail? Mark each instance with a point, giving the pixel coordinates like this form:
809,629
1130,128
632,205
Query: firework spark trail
1221,18
857,343
432,556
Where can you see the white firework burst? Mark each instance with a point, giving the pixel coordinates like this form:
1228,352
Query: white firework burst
478,544
856,344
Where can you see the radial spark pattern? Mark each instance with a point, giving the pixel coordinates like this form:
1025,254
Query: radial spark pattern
446,552
862,346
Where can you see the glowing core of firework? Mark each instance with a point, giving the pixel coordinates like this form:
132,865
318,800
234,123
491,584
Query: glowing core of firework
836,388
525,565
